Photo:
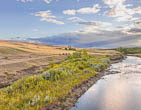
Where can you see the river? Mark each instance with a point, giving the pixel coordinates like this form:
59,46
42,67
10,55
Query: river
118,91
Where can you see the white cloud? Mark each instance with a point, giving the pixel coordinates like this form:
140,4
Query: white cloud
130,29
93,26
48,1
95,23
45,14
88,10
52,21
24,1
89,29
121,11
118,8
48,17
75,19
126,18
114,3
69,12
97,26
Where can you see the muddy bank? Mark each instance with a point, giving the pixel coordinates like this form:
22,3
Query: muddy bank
70,100
136,55
117,58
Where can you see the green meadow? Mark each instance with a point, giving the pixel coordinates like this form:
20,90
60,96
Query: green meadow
55,82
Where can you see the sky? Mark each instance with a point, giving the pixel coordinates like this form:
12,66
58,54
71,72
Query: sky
88,21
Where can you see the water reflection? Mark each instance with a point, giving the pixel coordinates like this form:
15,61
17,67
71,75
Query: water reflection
120,91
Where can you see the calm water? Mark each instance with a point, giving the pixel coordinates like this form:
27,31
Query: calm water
121,91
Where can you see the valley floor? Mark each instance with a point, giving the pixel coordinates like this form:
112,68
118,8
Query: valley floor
19,59
47,71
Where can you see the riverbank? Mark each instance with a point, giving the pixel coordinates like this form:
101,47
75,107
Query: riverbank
19,59
137,55
70,100
56,81
118,91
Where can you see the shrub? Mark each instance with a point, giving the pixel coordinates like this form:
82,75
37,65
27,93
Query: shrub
81,66
79,54
54,75
6,73
6,57
70,48
98,67
105,60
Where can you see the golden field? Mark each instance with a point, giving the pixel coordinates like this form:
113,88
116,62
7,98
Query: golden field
20,59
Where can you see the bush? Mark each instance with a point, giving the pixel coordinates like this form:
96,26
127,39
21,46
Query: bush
54,75
98,67
70,48
79,54
6,73
81,66
6,57
105,60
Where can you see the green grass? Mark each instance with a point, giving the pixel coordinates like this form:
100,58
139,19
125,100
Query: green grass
129,50
55,82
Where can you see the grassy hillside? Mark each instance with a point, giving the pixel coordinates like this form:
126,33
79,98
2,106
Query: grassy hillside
19,59
31,48
55,82
135,50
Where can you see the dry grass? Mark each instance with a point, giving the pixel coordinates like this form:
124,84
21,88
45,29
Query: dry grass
32,48
99,52
15,57
139,55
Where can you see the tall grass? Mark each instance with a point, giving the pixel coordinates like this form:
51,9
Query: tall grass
35,92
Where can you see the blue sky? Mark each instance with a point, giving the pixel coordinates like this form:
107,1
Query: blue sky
41,18
17,18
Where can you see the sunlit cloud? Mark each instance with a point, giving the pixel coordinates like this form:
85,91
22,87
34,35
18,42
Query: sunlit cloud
87,10
48,17
76,19
24,1
48,1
